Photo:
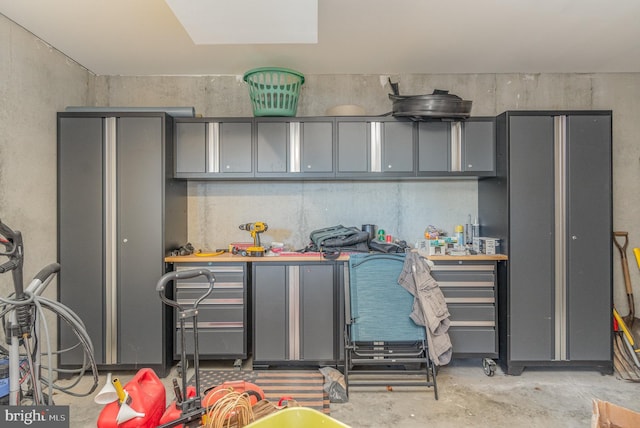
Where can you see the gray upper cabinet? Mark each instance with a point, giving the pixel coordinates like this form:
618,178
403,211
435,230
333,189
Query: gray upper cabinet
459,148
434,147
374,147
214,148
397,147
353,146
288,148
479,146
334,148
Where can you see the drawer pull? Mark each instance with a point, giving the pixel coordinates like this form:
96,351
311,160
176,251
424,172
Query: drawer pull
469,299
487,284
472,324
216,285
212,324
214,269
457,268
190,302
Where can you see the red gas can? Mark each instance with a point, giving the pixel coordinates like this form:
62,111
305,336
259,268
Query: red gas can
147,396
172,413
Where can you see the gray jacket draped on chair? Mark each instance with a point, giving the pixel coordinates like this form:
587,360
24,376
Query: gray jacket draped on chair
429,306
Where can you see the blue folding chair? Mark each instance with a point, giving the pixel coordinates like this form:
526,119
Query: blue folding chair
378,331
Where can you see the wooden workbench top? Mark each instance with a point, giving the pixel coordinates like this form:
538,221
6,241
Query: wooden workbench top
303,257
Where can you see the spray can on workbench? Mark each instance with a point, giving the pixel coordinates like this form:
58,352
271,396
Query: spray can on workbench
459,235
475,229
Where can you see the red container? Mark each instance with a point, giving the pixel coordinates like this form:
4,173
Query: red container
173,412
147,396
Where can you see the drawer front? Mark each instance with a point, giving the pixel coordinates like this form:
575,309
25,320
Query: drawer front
468,295
221,341
189,295
471,340
217,314
465,279
472,313
226,276
464,274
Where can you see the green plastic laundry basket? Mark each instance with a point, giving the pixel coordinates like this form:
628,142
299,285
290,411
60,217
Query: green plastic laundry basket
274,91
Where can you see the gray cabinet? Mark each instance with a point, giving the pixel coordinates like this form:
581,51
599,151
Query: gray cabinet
222,316
294,148
551,196
332,148
118,215
374,147
469,288
464,148
295,313
479,146
214,148
434,147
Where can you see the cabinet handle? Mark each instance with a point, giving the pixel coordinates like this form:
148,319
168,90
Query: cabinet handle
213,147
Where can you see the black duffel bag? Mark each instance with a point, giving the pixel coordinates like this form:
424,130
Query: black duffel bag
388,247
338,238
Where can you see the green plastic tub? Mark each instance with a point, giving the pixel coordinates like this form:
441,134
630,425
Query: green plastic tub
274,91
297,417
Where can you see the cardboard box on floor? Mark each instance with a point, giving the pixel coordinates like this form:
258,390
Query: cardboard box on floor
608,415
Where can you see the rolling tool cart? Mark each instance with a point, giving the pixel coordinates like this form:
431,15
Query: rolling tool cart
190,405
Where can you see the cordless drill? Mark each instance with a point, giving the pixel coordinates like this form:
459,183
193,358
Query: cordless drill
255,229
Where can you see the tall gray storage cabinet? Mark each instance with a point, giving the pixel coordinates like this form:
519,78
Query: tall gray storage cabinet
119,212
551,206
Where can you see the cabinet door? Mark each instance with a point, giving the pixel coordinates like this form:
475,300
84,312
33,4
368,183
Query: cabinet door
588,215
235,148
139,148
397,147
270,312
271,149
190,147
317,314
353,142
317,147
212,148
434,147
80,207
479,152
531,241
288,148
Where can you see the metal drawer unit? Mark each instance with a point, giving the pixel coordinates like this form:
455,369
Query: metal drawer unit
469,288
222,316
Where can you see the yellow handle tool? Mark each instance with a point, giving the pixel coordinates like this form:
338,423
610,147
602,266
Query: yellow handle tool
636,251
625,331
199,253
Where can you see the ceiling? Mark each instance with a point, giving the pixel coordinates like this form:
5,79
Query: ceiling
143,37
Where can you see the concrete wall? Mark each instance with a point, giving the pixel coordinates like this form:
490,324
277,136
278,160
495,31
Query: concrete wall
37,81
403,209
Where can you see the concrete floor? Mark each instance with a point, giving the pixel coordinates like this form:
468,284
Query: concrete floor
467,398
